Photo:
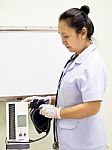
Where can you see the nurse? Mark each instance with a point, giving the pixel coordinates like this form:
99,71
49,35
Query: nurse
76,107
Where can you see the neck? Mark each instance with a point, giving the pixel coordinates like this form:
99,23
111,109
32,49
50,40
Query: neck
86,44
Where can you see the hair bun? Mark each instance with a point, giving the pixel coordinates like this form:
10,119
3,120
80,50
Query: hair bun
85,9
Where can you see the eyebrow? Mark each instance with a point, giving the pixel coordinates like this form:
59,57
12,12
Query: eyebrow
62,33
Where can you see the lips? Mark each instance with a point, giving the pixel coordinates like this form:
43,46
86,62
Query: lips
67,46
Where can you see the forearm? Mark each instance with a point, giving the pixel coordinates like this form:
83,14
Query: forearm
81,110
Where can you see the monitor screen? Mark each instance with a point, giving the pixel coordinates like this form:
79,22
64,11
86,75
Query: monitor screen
21,120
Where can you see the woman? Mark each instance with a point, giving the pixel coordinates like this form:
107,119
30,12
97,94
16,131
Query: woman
77,110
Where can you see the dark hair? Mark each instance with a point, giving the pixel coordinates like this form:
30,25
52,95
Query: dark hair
78,18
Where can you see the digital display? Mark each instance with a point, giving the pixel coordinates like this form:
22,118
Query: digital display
21,120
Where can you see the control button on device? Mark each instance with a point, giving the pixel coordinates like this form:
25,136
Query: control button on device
20,134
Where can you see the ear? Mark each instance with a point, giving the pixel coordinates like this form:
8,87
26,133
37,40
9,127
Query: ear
84,33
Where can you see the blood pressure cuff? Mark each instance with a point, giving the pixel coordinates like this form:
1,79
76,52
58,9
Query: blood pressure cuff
41,123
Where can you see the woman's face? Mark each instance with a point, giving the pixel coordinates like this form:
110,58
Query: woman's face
75,42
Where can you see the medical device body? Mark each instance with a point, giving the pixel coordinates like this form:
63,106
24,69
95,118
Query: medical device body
17,128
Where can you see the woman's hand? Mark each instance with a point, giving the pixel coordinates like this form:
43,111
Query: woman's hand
50,111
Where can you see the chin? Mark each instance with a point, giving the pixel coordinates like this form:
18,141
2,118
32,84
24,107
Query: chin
71,50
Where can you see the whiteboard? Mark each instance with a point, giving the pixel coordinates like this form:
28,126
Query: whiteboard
30,62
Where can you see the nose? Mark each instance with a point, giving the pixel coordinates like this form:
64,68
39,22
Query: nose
64,42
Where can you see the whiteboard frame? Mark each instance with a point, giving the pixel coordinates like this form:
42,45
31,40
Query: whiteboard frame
28,28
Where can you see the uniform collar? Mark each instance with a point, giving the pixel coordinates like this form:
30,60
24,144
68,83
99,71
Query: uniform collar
82,56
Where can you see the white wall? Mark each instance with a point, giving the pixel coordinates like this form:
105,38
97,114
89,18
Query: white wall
45,13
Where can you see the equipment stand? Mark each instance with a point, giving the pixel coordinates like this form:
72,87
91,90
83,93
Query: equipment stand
17,146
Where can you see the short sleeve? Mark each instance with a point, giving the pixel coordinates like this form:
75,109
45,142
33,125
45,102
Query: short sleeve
92,83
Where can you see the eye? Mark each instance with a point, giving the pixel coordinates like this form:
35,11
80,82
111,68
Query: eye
65,36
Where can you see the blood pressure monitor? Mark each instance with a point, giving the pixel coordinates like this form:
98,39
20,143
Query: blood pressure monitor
17,121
